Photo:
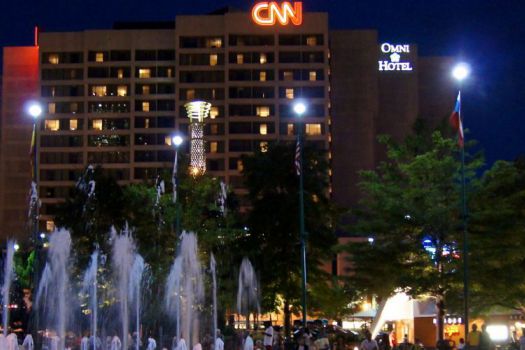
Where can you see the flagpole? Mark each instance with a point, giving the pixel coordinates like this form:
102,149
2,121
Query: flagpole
465,235
299,109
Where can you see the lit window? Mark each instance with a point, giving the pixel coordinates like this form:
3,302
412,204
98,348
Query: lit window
213,94
52,124
73,107
240,58
167,140
99,57
190,94
73,124
263,129
51,108
169,72
262,58
214,42
144,73
214,112
146,123
213,59
53,59
53,91
262,111
97,124
213,147
240,166
214,129
122,90
289,129
312,75
288,75
263,146
145,89
313,129
145,106
262,76
289,93
99,90
311,41
50,225
120,73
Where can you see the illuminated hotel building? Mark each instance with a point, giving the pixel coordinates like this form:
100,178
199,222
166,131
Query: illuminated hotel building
114,97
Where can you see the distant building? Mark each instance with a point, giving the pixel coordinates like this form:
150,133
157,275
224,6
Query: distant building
114,98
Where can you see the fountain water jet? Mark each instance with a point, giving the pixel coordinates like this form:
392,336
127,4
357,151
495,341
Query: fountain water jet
53,296
213,268
248,291
89,286
185,290
6,287
128,267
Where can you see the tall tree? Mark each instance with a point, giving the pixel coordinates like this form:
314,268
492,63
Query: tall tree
411,209
497,238
272,239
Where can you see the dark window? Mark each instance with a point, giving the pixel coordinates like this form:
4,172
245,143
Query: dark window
110,157
98,72
120,55
166,122
62,74
251,40
201,77
145,55
166,55
60,141
241,146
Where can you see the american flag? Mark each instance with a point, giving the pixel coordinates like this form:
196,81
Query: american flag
297,160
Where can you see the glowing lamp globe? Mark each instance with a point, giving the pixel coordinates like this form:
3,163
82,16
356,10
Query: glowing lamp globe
461,71
35,110
299,108
177,140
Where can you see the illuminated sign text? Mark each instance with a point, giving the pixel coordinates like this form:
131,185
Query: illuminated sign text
393,61
269,13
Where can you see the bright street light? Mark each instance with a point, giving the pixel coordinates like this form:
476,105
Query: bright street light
299,108
461,71
177,140
35,110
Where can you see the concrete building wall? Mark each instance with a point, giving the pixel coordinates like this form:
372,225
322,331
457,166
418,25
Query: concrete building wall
354,107
19,86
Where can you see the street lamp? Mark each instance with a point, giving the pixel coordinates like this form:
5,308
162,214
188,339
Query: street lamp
34,109
176,141
300,108
460,72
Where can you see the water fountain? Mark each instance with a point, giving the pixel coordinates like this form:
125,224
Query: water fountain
53,297
184,292
128,267
135,284
248,291
90,286
6,286
213,269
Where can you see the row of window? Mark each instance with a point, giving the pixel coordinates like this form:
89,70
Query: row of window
107,56
184,42
235,110
251,40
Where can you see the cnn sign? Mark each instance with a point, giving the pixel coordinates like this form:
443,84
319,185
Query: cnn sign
270,13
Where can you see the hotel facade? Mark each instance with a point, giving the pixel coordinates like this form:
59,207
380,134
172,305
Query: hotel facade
115,97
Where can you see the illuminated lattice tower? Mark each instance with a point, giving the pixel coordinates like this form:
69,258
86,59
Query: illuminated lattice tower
197,111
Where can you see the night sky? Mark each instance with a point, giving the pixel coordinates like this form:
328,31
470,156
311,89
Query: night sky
489,34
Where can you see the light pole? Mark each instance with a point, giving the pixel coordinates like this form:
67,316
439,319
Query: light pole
460,72
35,111
176,141
299,108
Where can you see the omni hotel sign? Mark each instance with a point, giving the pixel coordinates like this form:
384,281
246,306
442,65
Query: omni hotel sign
269,13
394,58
